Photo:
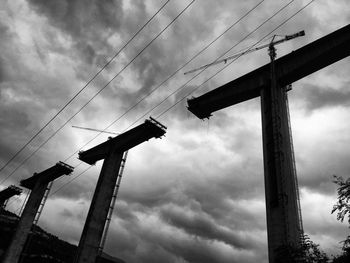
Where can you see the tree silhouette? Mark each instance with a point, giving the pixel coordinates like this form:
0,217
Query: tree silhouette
307,252
343,210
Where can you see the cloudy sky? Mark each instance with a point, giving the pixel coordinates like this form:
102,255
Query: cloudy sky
196,195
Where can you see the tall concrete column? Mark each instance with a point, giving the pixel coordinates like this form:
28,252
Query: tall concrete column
25,223
282,211
111,152
93,229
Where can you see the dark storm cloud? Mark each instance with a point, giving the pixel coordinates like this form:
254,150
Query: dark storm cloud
13,116
76,16
149,70
177,246
319,179
209,210
28,94
181,188
2,70
75,191
10,118
215,201
196,252
176,47
162,58
5,36
201,225
21,89
89,26
88,23
196,206
165,246
330,158
224,201
316,98
66,213
216,185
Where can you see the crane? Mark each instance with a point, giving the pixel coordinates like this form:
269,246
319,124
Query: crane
96,130
115,191
250,50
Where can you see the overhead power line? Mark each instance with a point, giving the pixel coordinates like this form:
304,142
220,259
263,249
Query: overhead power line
200,72
83,88
145,114
168,78
177,102
281,24
96,94
71,180
161,84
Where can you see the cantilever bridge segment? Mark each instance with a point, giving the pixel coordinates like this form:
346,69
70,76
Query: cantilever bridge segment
290,68
112,152
7,193
37,184
270,82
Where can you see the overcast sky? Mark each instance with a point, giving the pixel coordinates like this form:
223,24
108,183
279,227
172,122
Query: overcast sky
197,195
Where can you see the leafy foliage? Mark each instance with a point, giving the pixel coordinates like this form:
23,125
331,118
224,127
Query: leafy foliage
307,252
343,209
343,204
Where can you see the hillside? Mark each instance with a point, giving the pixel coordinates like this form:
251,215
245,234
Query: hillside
44,247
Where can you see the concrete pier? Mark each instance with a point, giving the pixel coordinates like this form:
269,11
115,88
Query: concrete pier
7,193
283,215
25,223
112,153
37,184
97,215
284,224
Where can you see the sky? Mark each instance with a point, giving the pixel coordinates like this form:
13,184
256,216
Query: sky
197,194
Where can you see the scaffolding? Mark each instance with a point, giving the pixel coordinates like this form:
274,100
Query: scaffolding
111,208
294,170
